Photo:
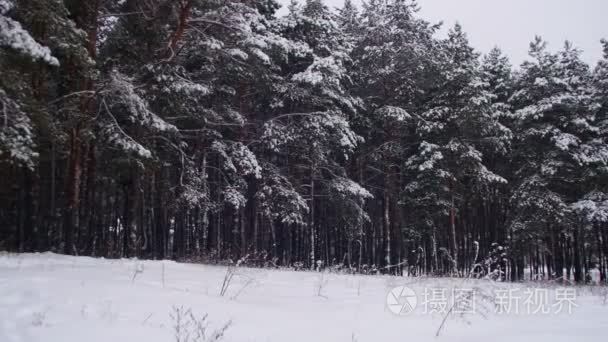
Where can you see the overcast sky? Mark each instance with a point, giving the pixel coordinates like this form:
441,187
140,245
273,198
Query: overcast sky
512,24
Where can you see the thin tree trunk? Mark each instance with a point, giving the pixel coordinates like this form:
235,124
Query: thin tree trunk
311,220
73,192
453,232
387,227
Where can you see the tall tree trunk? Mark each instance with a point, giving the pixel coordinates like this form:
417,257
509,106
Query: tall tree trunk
578,273
91,205
86,18
132,205
243,242
72,191
453,232
387,225
311,217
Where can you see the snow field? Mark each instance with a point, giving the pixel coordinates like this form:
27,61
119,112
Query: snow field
49,297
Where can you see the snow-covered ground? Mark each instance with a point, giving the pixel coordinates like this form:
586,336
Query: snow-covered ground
49,297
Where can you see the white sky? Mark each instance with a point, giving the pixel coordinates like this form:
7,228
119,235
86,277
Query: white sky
512,24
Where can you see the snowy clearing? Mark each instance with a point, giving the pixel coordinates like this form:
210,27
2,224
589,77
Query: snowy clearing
49,297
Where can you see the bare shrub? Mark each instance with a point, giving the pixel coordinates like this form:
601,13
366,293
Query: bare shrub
230,271
234,271
321,282
248,281
187,327
298,266
139,269
475,301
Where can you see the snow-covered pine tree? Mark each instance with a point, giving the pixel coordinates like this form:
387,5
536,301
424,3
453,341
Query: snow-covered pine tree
458,134
47,34
555,130
592,208
314,136
394,66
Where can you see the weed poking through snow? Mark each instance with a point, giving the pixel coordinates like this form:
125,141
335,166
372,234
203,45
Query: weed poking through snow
187,327
234,271
321,282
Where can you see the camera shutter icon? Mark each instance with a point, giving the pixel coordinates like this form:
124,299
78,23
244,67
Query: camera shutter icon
401,300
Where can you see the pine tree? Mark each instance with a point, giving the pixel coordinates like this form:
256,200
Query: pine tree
316,129
215,131
555,122
458,134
